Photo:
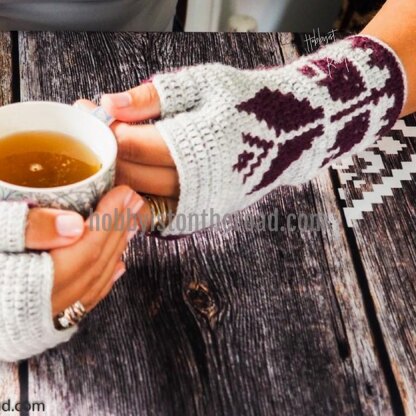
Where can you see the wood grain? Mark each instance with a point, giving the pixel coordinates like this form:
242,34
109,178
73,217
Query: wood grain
389,262
9,379
347,296
223,322
6,68
386,241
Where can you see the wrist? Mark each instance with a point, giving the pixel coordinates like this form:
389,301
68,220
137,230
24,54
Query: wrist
259,129
400,38
26,324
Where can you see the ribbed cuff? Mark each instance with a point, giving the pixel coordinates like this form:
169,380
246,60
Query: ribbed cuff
26,323
13,216
197,156
385,55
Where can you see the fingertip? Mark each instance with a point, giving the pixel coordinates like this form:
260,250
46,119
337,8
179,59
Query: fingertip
117,198
113,102
121,130
106,103
127,192
84,104
139,103
119,272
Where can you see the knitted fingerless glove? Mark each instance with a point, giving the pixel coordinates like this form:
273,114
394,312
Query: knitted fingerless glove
26,281
235,134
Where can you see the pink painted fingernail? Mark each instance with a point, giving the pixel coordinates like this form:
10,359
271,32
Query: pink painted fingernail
136,207
80,106
131,234
118,274
69,225
128,198
119,100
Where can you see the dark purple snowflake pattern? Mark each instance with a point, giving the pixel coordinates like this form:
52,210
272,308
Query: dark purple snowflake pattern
283,112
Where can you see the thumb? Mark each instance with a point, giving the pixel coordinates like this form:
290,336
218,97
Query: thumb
137,104
48,228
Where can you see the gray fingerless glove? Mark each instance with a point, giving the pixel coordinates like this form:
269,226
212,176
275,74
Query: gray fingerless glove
235,135
26,281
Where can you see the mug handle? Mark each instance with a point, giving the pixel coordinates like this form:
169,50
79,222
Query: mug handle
102,115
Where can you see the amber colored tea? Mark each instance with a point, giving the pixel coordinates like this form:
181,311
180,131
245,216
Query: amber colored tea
45,159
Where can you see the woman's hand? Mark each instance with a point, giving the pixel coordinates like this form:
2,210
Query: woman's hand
235,135
144,162
87,269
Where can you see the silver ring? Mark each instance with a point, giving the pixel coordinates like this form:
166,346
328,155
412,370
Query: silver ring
71,316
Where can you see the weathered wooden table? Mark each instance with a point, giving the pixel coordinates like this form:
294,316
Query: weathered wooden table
290,322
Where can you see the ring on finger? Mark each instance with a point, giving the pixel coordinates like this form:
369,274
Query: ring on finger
70,316
160,212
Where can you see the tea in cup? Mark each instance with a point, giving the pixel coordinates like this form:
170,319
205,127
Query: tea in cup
56,155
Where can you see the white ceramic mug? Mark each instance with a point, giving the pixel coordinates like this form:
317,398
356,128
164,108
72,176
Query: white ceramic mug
89,128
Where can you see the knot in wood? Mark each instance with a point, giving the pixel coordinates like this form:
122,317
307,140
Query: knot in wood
200,298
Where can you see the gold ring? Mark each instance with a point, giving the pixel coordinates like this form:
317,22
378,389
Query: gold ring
71,316
159,209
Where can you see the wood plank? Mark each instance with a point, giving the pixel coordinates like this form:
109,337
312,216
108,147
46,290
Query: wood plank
385,236
9,379
389,260
6,68
223,321
347,296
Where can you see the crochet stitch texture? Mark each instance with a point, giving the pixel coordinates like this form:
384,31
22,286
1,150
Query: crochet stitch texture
235,134
26,281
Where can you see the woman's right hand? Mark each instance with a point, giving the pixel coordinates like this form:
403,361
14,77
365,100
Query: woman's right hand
87,262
